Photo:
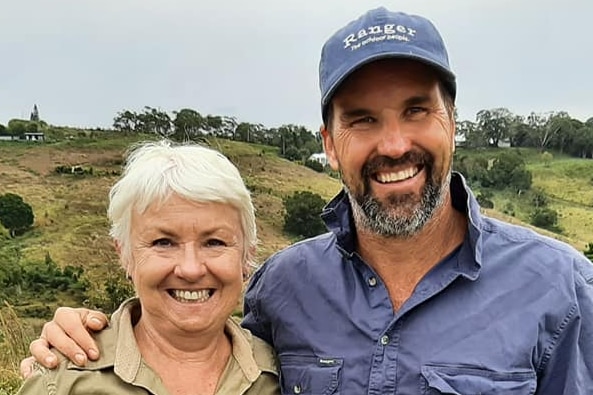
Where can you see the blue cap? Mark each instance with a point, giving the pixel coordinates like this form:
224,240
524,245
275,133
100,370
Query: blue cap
381,34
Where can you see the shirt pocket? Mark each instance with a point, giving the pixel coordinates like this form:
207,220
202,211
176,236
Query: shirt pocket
310,375
453,380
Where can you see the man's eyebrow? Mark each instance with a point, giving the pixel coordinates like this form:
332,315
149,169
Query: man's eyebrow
416,100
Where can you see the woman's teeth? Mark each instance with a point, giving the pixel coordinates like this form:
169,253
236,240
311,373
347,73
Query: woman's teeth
201,295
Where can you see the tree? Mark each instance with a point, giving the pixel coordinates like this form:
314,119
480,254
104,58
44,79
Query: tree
15,214
496,124
188,124
302,216
17,127
125,121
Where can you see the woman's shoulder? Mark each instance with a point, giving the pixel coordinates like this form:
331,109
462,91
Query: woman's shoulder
243,340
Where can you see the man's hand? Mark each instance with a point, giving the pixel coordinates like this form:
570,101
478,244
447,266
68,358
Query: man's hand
68,332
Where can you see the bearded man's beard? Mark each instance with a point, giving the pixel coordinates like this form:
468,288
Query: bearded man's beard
399,216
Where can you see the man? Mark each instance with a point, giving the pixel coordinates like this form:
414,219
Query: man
413,291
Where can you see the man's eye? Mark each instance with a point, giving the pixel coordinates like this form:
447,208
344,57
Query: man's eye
162,243
416,110
363,120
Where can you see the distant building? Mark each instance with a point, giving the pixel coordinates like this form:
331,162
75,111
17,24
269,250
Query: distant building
319,157
34,137
8,138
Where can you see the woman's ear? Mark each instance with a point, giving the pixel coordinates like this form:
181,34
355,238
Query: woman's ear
117,246
124,262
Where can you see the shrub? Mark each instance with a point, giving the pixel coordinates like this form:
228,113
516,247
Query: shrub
544,217
589,251
15,214
508,171
313,164
302,214
539,198
485,199
509,209
547,158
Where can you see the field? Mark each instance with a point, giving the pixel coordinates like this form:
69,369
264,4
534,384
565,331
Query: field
71,226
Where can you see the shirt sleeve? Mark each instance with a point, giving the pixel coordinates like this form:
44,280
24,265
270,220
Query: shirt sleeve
569,370
253,315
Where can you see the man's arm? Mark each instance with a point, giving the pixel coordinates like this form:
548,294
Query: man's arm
569,367
252,317
69,333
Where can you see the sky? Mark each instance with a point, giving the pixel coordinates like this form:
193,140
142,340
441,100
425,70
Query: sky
82,61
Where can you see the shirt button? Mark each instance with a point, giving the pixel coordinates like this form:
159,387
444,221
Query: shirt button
385,340
372,281
296,389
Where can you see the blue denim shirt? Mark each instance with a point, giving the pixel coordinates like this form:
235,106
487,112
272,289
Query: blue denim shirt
509,312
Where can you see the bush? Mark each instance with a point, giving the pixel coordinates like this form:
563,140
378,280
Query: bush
589,251
547,158
485,199
544,217
313,164
508,171
539,198
302,216
15,214
475,170
509,209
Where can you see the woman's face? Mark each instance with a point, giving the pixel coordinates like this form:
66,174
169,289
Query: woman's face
187,261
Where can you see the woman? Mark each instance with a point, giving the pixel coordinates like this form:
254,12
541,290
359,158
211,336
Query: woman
184,228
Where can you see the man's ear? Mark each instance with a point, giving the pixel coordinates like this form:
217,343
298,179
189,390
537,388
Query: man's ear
329,148
453,133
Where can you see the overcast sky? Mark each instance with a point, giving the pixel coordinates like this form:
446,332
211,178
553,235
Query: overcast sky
82,61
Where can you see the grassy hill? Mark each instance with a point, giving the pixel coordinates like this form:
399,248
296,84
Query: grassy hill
70,211
568,184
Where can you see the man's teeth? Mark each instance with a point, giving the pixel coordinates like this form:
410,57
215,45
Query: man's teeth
397,176
191,296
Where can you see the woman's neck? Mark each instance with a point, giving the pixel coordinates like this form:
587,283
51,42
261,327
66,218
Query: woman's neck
186,364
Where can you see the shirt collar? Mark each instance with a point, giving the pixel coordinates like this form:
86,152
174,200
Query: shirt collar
127,362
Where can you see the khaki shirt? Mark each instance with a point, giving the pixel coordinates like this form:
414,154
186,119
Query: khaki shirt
252,369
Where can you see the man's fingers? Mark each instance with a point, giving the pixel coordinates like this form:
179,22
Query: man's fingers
95,320
68,333
39,349
61,339
27,367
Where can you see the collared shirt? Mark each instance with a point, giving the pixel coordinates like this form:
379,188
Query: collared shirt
509,312
251,370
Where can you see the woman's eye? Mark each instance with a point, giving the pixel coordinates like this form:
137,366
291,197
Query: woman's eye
162,243
215,243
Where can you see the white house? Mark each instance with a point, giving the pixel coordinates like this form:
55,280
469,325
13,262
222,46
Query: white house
319,157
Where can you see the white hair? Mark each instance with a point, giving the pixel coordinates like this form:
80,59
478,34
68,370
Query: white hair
156,170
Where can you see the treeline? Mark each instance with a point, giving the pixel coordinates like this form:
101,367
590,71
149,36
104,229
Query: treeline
554,131
294,142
